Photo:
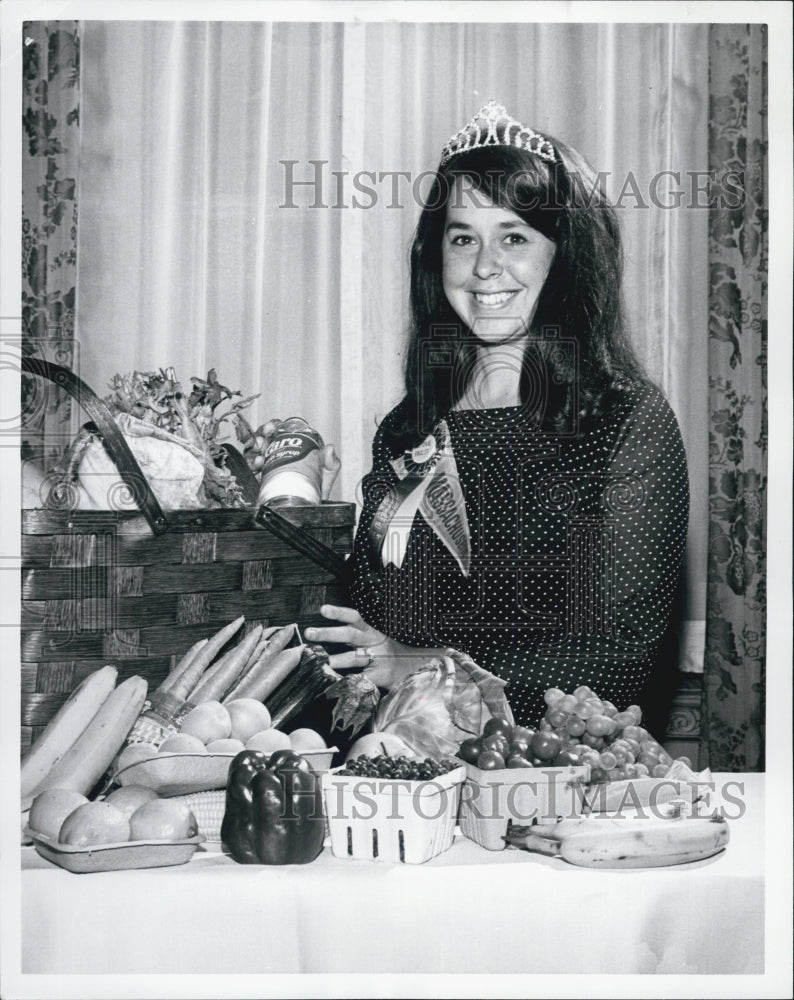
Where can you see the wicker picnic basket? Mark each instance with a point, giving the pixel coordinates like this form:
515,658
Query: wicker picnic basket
138,589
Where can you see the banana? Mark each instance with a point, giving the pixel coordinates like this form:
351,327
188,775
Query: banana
65,727
644,842
638,793
90,756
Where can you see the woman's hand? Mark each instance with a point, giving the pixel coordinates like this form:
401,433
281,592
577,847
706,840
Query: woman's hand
256,443
385,661
330,470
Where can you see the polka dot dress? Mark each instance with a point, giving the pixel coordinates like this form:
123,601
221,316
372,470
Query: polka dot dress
577,544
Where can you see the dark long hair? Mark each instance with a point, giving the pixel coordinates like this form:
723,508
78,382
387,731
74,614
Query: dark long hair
579,358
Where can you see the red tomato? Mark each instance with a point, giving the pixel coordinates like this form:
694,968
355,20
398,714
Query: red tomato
522,733
546,746
517,761
518,748
497,725
565,757
496,742
490,760
470,750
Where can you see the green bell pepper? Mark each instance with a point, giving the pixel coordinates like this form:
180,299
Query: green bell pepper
273,812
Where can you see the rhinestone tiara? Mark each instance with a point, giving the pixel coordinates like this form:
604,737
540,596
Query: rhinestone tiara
493,126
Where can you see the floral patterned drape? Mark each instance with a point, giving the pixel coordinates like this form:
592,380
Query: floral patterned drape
734,670
50,150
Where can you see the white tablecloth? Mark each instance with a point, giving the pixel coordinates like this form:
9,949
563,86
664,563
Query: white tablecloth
467,911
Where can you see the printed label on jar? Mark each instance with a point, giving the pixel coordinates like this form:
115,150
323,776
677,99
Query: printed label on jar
288,449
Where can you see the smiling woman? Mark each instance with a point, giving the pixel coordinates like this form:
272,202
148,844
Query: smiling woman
494,268
528,498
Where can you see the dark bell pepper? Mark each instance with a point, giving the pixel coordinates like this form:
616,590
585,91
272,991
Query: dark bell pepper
273,812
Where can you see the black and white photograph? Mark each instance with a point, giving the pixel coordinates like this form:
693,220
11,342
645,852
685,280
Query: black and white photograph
396,490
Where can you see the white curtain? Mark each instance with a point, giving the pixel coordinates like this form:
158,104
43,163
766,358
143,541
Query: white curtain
200,247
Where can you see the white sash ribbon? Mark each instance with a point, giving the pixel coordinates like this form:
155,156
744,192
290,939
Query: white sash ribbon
437,497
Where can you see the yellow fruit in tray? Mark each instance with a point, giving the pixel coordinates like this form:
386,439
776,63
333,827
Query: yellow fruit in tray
306,740
225,746
95,823
51,807
134,753
208,721
248,716
131,797
183,743
163,819
268,741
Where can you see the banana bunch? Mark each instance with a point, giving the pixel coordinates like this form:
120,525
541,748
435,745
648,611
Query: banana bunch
599,841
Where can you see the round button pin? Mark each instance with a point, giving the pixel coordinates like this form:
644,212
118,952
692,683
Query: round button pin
424,451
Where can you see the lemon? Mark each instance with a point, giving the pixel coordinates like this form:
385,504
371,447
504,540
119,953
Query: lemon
268,741
51,807
163,819
248,716
208,721
95,823
130,797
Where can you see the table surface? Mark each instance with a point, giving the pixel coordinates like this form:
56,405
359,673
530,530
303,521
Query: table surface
468,910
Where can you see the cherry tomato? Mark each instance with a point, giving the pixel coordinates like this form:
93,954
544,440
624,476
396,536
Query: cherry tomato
574,725
557,717
470,750
598,725
582,692
568,703
553,695
518,748
497,725
565,757
546,746
490,760
596,742
598,774
609,709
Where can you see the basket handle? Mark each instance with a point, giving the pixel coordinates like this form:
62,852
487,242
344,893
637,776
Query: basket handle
300,539
112,438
